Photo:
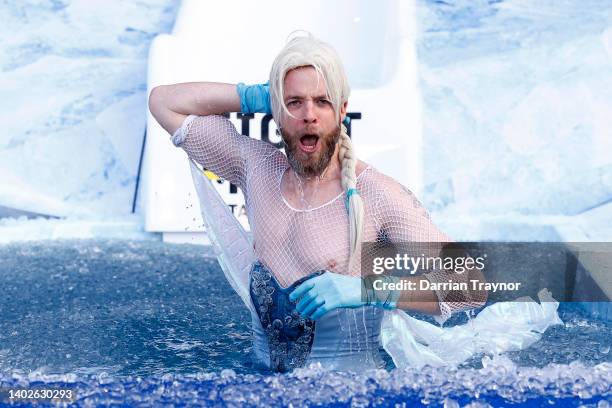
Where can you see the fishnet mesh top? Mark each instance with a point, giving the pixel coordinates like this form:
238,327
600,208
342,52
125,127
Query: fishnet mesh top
294,243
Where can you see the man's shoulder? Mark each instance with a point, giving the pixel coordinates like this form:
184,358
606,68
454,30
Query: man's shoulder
260,152
384,182
388,192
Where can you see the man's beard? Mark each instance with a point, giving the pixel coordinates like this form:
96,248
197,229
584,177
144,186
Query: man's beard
316,164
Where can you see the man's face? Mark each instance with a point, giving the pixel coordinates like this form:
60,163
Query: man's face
311,135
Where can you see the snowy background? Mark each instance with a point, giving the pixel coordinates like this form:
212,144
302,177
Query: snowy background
73,80
517,101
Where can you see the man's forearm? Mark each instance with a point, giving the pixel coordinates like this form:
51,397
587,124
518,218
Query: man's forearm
200,98
169,104
428,300
424,301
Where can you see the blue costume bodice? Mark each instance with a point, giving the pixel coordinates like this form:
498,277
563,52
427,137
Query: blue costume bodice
343,339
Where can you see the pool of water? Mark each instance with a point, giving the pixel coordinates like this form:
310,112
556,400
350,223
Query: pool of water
148,322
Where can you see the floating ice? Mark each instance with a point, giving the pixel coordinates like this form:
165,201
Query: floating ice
499,382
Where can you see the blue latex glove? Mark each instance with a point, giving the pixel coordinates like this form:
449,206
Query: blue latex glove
328,291
254,98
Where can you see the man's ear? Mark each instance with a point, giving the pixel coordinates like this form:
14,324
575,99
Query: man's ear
343,110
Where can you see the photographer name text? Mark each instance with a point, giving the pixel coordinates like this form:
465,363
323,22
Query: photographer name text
424,284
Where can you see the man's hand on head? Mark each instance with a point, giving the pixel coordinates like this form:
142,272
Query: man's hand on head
254,98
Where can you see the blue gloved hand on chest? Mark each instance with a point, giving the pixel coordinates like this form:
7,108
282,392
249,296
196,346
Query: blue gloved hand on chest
328,291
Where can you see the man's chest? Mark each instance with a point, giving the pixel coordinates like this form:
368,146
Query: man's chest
305,240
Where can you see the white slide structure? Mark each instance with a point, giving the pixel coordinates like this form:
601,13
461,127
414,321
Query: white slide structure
237,42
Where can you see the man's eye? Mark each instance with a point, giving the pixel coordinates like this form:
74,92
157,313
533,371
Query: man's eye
293,103
324,102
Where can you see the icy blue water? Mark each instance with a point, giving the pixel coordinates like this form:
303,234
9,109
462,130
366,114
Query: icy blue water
145,321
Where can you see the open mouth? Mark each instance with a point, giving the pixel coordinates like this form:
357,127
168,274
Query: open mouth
309,143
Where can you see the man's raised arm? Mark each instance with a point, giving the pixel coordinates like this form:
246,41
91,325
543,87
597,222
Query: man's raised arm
171,104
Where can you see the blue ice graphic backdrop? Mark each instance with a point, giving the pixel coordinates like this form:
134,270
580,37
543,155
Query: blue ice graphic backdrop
517,96
517,101
73,80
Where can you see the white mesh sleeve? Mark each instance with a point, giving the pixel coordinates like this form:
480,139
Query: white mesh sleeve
213,142
403,219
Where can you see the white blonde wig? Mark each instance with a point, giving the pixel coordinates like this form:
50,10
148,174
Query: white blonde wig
307,51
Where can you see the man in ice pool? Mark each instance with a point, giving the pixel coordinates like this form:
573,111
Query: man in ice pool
309,209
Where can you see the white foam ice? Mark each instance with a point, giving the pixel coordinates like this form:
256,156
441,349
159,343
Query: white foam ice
115,227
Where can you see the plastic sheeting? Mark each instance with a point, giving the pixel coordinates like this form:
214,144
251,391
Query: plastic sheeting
500,327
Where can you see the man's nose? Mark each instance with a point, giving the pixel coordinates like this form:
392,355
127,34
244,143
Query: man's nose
309,113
